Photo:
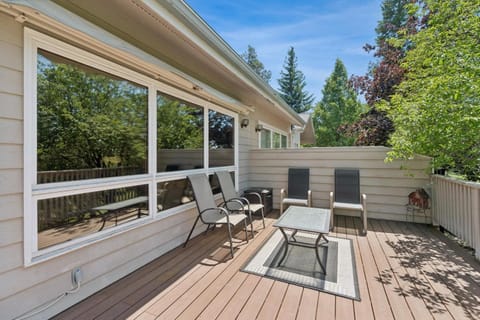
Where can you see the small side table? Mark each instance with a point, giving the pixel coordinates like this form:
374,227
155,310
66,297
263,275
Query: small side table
312,220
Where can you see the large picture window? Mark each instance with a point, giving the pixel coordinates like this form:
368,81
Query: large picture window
90,124
107,149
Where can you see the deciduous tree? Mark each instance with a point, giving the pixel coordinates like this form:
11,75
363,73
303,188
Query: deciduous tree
384,75
436,109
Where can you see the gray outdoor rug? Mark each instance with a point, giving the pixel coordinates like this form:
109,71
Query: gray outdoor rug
300,266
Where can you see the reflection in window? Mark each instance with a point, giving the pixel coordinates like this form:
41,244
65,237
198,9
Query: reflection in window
179,135
90,124
270,139
284,141
70,217
173,193
276,140
265,139
220,139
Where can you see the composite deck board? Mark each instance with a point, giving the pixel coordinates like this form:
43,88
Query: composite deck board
406,288
362,309
378,298
405,271
428,262
457,274
308,304
388,278
273,302
442,297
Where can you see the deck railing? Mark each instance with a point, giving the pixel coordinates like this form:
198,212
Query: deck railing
456,208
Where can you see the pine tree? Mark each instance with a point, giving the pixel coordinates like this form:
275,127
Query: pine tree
339,106
251,57
292,84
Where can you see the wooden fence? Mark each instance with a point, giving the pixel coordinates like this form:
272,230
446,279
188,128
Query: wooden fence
456,208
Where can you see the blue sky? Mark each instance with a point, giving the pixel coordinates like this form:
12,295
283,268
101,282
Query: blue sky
320,31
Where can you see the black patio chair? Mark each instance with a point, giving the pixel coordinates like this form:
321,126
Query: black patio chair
299,192
347,194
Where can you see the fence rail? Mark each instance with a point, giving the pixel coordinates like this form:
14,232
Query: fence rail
456,208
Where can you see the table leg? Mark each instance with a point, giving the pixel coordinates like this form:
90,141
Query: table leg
320,236
285,247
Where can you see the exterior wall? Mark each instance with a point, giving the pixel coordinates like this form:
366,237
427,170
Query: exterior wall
248,140
385,184
103,262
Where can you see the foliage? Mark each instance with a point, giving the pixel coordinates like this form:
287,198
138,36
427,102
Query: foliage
373,128
292,85
251,58
382,78
86,118
436,109
179,126
339,106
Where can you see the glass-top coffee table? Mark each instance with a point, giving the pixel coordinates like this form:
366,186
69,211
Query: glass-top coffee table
312,220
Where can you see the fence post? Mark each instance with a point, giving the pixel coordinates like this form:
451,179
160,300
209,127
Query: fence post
476,222
434,206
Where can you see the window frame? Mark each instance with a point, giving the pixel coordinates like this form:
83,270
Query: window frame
272,130
34,40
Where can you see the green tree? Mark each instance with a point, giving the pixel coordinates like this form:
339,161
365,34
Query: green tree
251,58
374,127
179,126
292,85
436,109
339,106
87,119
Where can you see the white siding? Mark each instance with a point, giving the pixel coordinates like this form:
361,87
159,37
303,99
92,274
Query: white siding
385,184
24,288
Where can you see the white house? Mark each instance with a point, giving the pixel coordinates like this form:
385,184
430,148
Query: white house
105,102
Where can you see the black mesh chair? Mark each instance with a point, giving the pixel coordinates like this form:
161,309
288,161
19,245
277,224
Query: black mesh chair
299,192
208,211
347,194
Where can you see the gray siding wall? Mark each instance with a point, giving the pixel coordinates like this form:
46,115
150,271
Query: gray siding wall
386,185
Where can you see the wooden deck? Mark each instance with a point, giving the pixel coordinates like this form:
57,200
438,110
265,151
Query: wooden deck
405,271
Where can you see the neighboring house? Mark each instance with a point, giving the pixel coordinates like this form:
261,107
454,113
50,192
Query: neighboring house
304,134
104,106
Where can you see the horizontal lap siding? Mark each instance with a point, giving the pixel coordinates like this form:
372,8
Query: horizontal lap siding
102,262
386,185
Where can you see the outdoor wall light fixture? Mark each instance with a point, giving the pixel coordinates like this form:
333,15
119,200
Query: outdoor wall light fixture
244,123
258,128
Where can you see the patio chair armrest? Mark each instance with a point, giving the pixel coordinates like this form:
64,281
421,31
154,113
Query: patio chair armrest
256,194
222,210
364,217
283,194
331,210
234,200
309,198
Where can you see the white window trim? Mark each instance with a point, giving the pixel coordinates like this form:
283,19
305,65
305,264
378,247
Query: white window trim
33,40
272,130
